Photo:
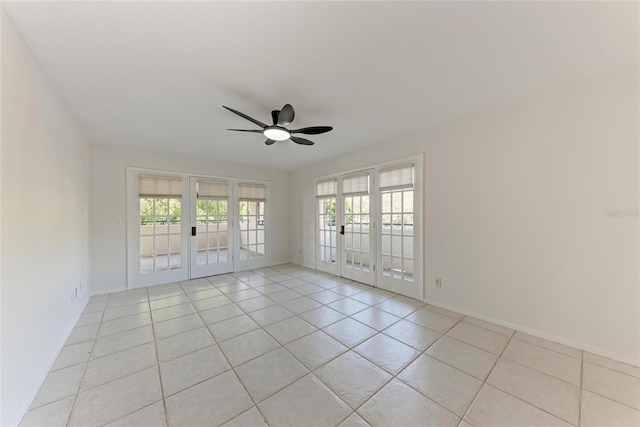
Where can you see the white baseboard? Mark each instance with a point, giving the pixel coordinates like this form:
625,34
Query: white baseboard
43,374
538,333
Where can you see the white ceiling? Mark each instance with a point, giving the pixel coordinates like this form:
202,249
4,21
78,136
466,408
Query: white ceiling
156,74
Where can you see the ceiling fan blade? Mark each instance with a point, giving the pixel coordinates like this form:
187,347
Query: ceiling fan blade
259,123
270,142
274,116
301,141
313,130
286,115
247,130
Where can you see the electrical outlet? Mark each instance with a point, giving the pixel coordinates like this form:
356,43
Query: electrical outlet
438,282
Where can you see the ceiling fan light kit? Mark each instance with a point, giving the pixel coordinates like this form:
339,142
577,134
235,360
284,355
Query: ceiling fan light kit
278,131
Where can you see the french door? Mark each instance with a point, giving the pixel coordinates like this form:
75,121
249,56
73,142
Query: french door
251,235
157,238
368,227
356,227
181,226
211,231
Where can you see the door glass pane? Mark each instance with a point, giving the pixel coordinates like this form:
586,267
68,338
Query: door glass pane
397,234
356,236
160,233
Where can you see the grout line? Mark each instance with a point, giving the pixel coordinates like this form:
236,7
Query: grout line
84,371
484,382
580,389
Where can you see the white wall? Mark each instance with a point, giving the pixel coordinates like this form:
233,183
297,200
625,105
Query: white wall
45,175
516,221
108,203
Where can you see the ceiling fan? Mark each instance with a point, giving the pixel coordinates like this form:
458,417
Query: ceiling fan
278,131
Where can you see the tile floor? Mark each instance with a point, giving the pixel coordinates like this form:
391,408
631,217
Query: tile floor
287,346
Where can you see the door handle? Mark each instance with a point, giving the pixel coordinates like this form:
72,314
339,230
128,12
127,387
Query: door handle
193,231
342,229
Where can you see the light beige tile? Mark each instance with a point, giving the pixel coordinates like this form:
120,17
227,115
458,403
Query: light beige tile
183,372
431,320
233,327
354,420
614,365
543,391
95,307
547,361
598,411
124,324
270,289
300,305
465,357
122,341
58,385
250,418
412,334
551,345
212,402
172,312
308,289
289,329
615,385
479,337
350,332
348,306
352,377
326,297
52,415
386,352
176,326
345,290
184,343
375,318
444,311
307,402
206,292
488,325
496,408
254,304
443,384
219,314
248,346
126,310
82,333
400,306
72,355
285,295
169,302
231,287
315,349
269,315
269,373
90,318
118,365
116,399
212,302
369,297
129,299
397,404
149,416
322,316
243,295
